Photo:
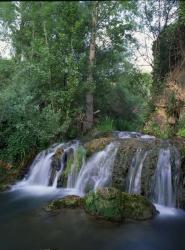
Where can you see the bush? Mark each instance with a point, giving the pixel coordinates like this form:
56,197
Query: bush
106,125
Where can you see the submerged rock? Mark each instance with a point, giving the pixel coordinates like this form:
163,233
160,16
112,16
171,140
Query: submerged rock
114,205
70,201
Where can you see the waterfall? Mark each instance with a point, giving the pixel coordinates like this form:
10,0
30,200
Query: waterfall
165,189
65,166
43,172
75,167
135,170
39,170
80,175
97,171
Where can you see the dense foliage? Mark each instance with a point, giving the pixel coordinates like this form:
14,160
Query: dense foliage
43,84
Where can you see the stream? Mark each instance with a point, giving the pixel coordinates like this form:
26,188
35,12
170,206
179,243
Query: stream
25,225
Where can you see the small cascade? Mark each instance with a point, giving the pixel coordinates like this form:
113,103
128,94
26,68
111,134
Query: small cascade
67,162
97,171
163,190
126,135
48,166
40,170
76,164
135,170
167,174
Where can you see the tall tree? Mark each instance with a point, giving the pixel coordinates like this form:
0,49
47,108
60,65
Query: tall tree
88,123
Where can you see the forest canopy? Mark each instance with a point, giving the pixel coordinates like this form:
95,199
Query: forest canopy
72,70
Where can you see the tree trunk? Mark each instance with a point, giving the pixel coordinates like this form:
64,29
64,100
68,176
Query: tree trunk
88,123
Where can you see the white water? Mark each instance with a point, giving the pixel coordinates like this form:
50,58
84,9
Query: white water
41,168
97,171
135,171
163,190
94,173
125,135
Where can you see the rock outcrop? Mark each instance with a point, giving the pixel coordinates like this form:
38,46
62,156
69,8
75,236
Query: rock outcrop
108,204
70,201
114,205
105,203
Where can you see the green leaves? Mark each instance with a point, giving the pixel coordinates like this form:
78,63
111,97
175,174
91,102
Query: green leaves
44,84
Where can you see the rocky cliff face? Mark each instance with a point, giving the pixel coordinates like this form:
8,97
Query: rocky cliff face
169,105
169,80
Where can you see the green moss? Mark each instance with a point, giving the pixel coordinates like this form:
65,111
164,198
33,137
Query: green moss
105,203
111,204
137,207
96,145
70,201
80,156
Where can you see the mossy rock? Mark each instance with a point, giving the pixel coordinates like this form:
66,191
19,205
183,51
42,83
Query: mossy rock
114,205
104,203
70,201
137,207
96,145
7,177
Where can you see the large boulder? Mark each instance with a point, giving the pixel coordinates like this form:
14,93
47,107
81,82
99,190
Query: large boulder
105,203
114,205
137,207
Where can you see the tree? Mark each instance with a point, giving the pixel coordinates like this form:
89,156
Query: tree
70,59
90,81
155,16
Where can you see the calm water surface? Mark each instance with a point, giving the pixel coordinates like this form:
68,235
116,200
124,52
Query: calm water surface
25,225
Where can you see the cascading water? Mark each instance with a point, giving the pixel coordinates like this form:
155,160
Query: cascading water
98,170
135,170
75,167
81,176
165,189
72,171
42,172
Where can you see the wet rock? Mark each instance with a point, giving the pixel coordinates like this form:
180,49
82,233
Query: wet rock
56,164
96,145
104,203
114,205
137,207
125,154
8,176
67,161
70,201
